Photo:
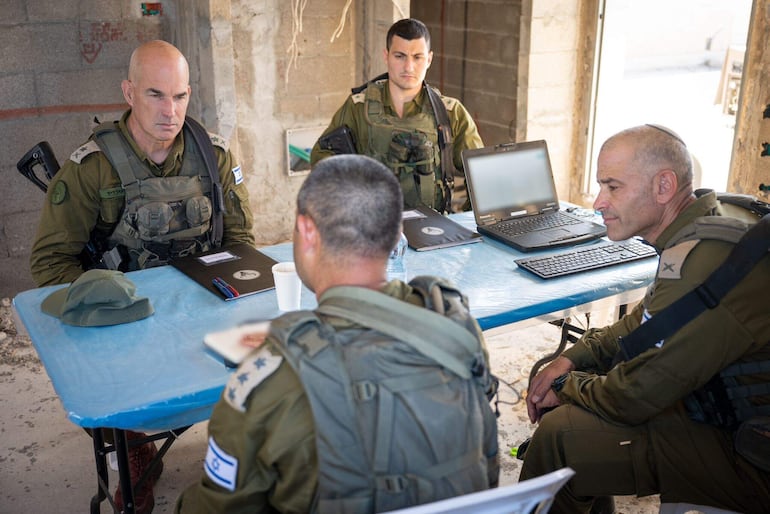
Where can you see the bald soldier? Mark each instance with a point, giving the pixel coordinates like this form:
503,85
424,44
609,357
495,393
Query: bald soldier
647,422
147,161
142,190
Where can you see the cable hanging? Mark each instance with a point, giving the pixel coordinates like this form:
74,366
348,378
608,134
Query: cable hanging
297,11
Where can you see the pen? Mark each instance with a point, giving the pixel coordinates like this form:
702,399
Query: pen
222,288
234,292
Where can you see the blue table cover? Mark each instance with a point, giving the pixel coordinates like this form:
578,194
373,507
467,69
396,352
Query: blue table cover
156,374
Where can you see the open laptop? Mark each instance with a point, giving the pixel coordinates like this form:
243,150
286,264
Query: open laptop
240,270
514,199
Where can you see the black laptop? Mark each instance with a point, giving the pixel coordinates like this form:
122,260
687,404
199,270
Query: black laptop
229,272
514,199
427,229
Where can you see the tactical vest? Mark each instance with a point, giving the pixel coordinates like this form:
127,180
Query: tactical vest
726,401
409,146
399,420
163,217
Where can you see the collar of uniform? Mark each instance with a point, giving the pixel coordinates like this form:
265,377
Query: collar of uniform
415,106
703,206
172,162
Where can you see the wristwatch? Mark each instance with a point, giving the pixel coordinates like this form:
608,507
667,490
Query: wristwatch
558,383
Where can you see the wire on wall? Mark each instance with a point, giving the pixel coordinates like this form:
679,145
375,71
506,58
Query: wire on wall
341,26
297,10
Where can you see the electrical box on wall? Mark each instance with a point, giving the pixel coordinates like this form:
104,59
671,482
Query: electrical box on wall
299,142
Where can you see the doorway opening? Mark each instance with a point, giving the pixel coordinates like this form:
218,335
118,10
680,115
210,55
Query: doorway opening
676,63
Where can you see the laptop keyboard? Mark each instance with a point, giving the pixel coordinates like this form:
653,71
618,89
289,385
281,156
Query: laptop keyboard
527,224
593,257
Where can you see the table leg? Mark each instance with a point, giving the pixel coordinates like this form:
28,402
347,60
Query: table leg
121,447
102,478
124,470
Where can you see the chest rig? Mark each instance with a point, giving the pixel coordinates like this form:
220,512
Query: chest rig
409,146
163,217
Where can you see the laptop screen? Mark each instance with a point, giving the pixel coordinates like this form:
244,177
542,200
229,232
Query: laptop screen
510,179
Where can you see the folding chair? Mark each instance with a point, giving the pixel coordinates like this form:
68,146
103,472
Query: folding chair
529,496
683,508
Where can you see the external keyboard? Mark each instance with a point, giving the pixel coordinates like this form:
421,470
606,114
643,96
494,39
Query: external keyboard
584,259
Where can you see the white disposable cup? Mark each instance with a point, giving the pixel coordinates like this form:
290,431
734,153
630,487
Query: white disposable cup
288,286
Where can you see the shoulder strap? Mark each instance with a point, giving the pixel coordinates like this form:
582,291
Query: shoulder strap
752,247
445,144
431,334
363,86
202,139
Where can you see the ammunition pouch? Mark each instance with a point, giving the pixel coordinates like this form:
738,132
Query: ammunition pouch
724,403
752,441
711,405
411,151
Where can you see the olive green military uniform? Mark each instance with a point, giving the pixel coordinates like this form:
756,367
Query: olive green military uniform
624,431
87,193
353,114
262,447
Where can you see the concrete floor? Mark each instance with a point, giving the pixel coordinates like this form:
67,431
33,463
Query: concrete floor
46,462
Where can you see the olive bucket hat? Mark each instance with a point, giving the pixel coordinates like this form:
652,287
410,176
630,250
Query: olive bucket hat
96,298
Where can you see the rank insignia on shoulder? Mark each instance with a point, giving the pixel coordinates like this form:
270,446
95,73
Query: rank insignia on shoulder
219,141
672,259
87,149
253,371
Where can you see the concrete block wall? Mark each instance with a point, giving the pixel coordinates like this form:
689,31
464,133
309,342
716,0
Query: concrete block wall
63,62
476,59
61,65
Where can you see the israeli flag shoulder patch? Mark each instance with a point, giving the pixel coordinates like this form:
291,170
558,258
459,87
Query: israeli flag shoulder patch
221,467
237,175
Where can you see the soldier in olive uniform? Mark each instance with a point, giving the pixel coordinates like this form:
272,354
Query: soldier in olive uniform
270,452
156,202
624,427
171,212
392,120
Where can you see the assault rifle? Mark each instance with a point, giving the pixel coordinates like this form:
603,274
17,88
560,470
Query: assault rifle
41,155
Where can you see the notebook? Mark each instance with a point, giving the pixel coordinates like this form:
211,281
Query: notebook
514,199
229,343
241,270
427,229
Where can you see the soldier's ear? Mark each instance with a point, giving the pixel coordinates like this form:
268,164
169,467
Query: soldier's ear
128,91
666,185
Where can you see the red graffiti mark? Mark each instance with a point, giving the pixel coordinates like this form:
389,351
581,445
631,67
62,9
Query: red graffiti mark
98,34
90,51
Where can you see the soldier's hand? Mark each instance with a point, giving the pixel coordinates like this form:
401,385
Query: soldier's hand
539,394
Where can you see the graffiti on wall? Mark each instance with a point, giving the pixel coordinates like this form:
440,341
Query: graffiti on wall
98,35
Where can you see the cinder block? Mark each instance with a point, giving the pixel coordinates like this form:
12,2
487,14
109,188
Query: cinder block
52,11
53,46
106,9
494,18
95,85
14,12
305,79
17,91
330,102
298,107
488,76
